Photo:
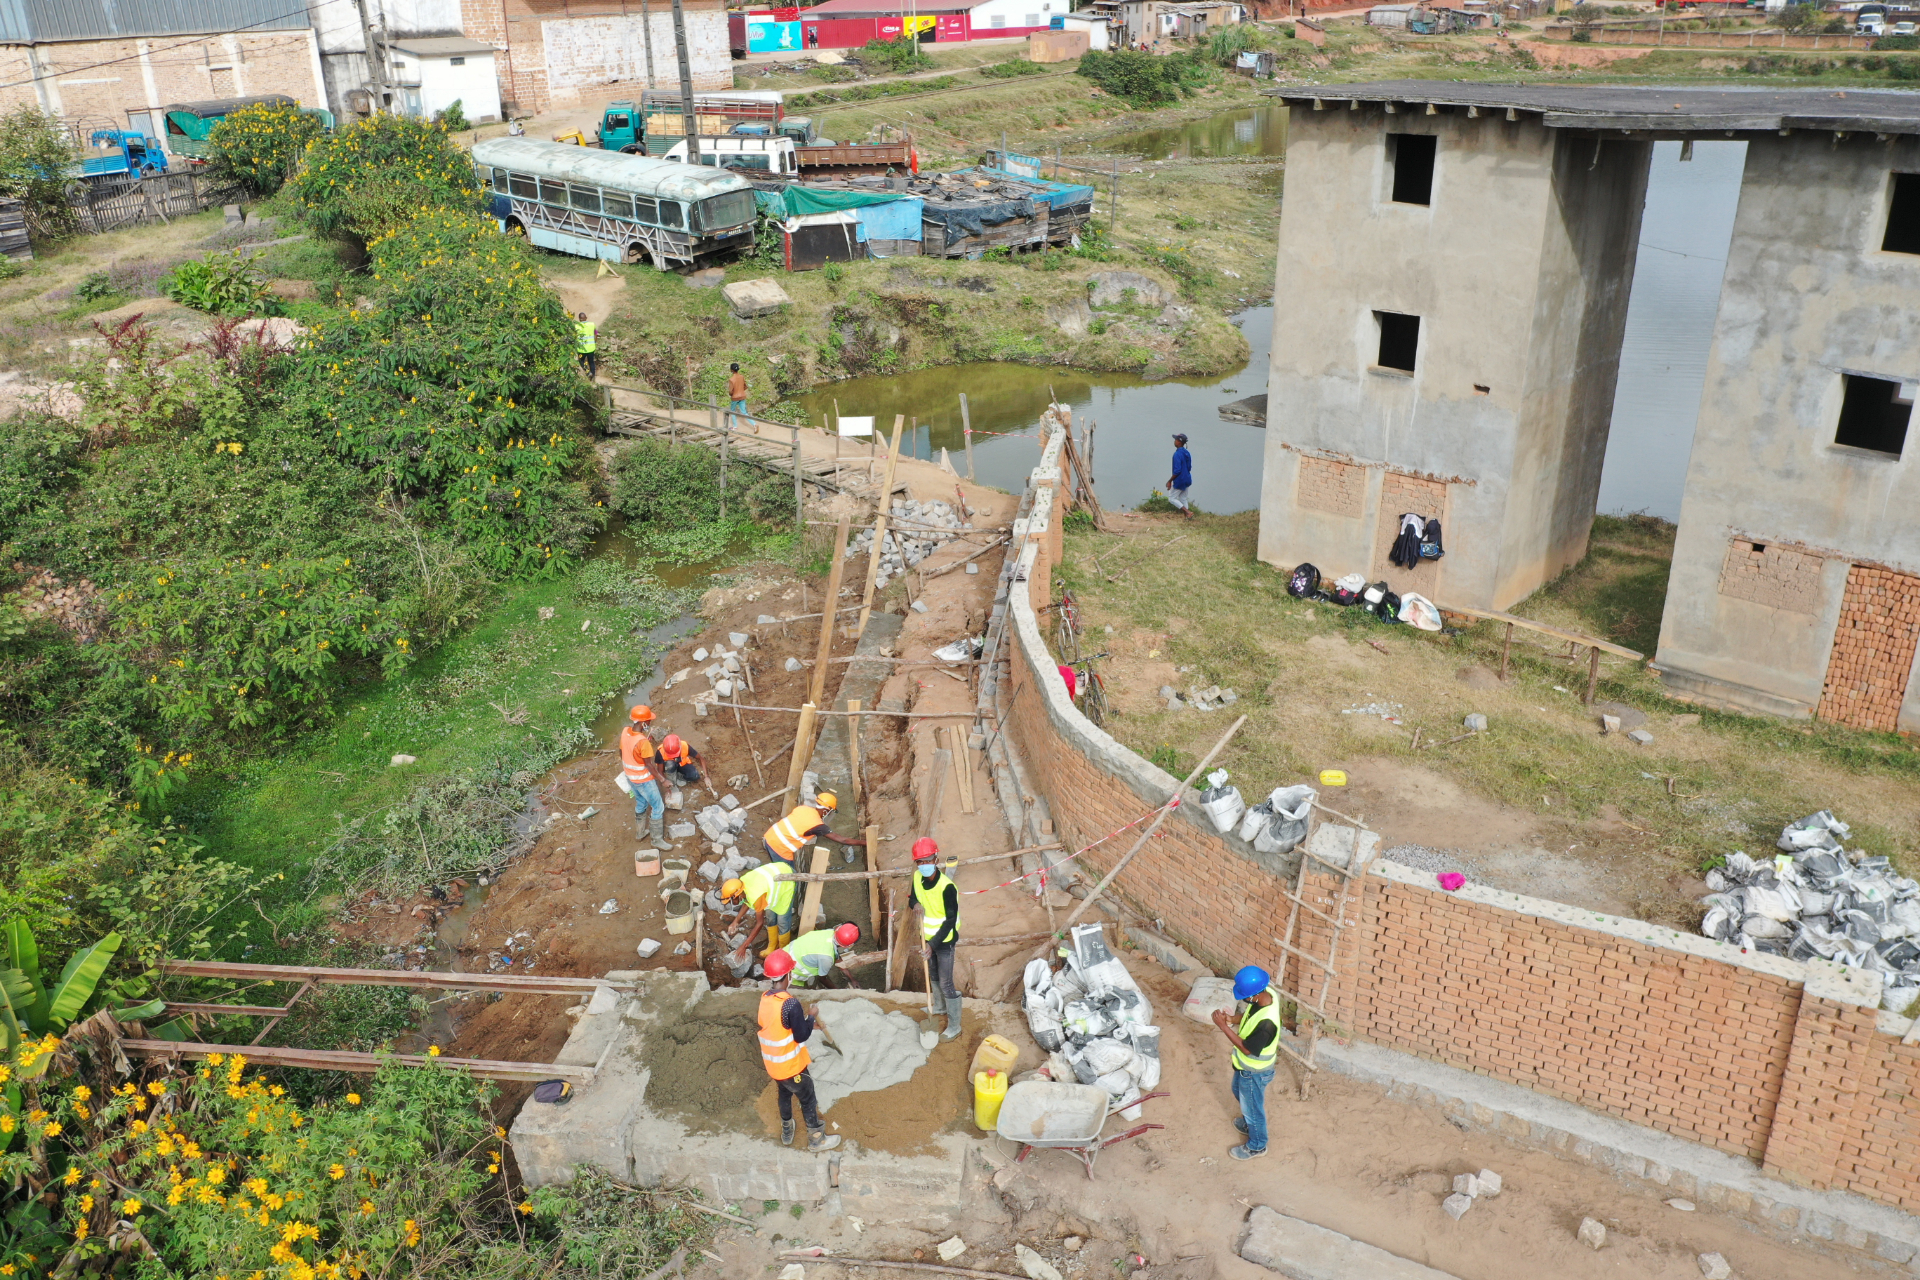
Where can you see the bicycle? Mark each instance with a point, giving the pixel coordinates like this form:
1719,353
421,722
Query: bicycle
1068,637
1092,689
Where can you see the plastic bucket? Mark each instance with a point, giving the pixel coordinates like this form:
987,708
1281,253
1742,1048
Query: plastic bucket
646,862
673,874
989,1091
679,912
996,1053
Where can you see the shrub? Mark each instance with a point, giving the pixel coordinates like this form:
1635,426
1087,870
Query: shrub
899,55
221,284
37,158
1904,68
1142,79
375,175
258,147
1895,43
1226,44
453,119
1013,68
39,458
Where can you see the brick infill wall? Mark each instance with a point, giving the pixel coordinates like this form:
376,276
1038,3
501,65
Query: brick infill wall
1787,1064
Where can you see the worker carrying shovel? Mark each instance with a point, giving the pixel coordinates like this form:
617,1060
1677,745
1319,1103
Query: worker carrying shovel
771,899
939,901
1256,1047
814,955
639,765
785,1028
806,824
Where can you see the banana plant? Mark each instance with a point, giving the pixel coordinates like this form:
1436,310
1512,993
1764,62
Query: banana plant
29,1008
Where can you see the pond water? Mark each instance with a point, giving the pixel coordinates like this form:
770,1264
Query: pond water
1136,418
1250,131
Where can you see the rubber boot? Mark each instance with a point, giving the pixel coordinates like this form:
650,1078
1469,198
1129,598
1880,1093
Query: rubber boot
658,832
639,827
953,1019
817,1140
786,1133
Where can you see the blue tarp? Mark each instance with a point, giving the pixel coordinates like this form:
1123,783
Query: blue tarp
895,220
1061,195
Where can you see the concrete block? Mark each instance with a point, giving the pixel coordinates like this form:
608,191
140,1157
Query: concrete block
918,606
1456,1205
1304,1251
750,298
1592,1233
1893,1250
1490,1183
738,639
950,1248
1466,1184
1609,724
1641,736
1475,723
1714,1267
682,831
794,664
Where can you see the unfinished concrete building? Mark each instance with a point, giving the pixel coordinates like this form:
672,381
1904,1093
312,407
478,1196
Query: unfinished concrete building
1452,351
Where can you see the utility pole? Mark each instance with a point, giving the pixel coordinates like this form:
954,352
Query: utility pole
376,61
689,121
646,31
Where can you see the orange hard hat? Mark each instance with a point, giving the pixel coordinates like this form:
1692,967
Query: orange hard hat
779,965
671,744
847,934
641,713
925,850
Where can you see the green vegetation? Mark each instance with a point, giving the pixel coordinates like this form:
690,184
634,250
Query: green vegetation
36,156
258,147
220,284
1012,69
1145,79
898,56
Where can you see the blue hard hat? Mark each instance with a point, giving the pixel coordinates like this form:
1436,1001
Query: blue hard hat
1250,982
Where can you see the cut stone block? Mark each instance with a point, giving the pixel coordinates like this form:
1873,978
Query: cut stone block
794,664
1714,1267
1475,723
1457,1205
1641,736
1592,1233
1490,1183
750,298
1304,1251
951,1248
682,830
1466,1184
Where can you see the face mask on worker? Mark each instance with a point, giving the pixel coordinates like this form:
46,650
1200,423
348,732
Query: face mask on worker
929,872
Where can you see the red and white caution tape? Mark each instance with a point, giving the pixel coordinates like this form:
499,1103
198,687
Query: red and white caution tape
1174,803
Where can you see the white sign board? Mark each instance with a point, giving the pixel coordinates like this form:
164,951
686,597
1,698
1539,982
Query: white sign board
856,426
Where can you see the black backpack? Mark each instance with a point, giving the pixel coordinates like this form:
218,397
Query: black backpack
1304,582
1431,547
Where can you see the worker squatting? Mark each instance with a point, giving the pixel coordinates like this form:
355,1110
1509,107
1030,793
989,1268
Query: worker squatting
771,898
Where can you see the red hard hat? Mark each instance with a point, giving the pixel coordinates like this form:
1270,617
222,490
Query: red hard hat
847,934
925,850
671,745
779,965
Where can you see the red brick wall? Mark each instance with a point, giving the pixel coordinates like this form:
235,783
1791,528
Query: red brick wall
1873,649
1736,1054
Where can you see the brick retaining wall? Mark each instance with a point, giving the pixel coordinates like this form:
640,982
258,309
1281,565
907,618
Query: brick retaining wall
1784,1063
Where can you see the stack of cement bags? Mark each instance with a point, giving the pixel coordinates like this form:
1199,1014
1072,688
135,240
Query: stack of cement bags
1820,900
1093,1019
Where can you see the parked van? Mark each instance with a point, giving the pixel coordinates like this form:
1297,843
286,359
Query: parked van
734,151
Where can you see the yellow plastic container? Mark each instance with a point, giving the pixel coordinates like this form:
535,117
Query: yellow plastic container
1333,777
989,1091
996,1053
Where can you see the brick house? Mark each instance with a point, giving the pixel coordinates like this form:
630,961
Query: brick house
557,54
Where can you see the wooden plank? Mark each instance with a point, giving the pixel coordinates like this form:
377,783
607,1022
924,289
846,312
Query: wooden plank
810,905
530,983
362,1063
1558,633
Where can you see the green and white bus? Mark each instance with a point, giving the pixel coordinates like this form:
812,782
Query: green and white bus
623,208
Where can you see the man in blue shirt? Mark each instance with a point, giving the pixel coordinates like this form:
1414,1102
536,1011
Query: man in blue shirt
1182,478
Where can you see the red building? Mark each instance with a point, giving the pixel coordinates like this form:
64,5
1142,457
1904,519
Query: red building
848,24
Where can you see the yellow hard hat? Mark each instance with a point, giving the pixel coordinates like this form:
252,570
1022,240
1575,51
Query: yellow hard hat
732,889
827,800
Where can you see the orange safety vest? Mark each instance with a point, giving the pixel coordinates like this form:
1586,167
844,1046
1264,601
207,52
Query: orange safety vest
685,755
636,752
789,835
783,1058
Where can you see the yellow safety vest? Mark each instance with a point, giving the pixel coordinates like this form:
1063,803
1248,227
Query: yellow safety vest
1254,1016
789,835
583,336
808,945
784,1059
761,883
933,906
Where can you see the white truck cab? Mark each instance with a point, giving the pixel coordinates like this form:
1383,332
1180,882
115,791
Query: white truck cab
733,151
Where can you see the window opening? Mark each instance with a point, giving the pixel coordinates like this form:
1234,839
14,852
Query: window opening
1410,156
1873,415
1399,340
1903,215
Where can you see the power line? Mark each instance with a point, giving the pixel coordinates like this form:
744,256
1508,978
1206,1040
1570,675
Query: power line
114,62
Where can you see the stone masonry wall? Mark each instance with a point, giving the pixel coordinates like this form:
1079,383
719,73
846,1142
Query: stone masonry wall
1784,1063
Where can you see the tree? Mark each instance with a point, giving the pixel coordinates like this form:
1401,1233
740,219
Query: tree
453,119
1801,17
38,164
257,148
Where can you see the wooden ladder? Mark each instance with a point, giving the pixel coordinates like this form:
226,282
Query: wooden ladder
1311,1000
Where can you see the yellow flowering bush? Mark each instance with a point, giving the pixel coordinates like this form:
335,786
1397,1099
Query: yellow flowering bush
377,173
258,147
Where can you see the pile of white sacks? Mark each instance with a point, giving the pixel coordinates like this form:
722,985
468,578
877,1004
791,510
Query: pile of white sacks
1093,1020
1821,900
924,526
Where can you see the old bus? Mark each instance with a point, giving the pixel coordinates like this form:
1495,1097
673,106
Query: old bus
623,208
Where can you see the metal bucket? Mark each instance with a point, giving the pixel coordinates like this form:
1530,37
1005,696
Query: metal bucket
679,912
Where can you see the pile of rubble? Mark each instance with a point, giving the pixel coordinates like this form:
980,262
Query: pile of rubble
1092,1019
74,607
726,673
1821,900
923,527
1211,698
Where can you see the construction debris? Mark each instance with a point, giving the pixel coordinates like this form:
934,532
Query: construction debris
1091,1014
915,530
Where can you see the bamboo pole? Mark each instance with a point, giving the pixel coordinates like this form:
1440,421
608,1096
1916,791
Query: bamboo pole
879,528
853,744
700,936
802,750
876,873
893,930
825,648
799,501
930,816
726,438
1146,835
810,905
903,1266
966,432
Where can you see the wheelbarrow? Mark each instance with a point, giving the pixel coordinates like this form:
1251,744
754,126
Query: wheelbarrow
1054,1115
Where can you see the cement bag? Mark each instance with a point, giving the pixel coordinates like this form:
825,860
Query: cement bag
1116,1083
1779,904
1038,978
1106,1056
1898,999
1146,1053
1223,806
1044,1024
1207,995
1255,820
620,781
1292,809
1085,1021
1130,1104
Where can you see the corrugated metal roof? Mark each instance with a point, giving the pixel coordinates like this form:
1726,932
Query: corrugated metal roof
34,21
441,46
639,174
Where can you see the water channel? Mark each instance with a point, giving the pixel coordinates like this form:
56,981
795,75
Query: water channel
1676,289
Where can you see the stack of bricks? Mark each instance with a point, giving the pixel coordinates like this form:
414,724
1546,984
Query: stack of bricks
1873,649
1772,575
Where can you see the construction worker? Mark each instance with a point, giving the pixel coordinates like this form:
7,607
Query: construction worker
640,764
807,823
785,1027
679,761
814,954
939,901
772,900
1255,1034
585,346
